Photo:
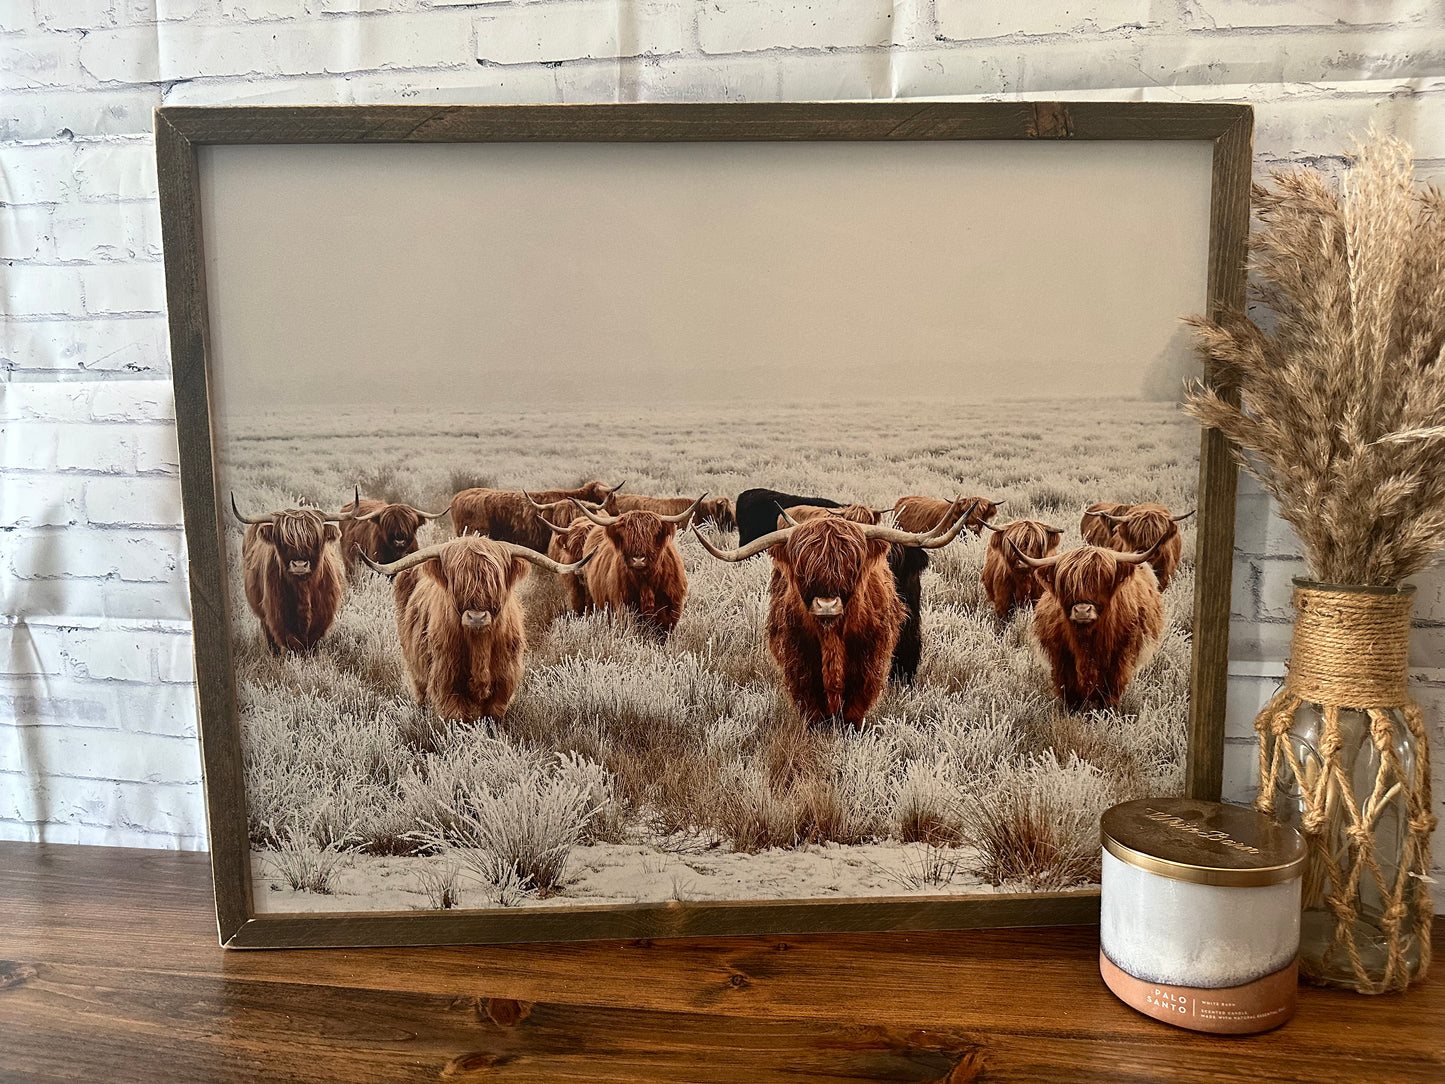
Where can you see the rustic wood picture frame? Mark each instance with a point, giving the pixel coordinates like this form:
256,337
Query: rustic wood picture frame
182,131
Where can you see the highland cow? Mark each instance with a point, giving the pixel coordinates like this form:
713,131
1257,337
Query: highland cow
1100,618
568,546
1097,526
384,532
292,574
717,509
1150,527
905,562
1007,579
460,623
833,613
922,513
635,564
505,515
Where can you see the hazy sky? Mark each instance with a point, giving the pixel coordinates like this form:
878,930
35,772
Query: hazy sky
502,275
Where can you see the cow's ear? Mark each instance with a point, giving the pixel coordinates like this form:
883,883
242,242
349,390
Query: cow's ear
266,532
1054,537
877,549
517,572
1122,572
614,535
1045,577
670,529
333,532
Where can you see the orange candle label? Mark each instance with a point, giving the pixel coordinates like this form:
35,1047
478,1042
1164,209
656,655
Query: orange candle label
1231,1010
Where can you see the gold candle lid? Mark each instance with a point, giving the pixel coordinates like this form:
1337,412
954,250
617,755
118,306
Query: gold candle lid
1206,843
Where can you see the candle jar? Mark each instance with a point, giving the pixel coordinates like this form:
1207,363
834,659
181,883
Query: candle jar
1199,920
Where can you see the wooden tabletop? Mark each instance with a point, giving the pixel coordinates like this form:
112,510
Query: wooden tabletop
110,971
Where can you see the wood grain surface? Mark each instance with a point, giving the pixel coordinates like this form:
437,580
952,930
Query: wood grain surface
109,970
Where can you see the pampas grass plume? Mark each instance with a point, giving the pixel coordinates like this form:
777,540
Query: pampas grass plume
1341,411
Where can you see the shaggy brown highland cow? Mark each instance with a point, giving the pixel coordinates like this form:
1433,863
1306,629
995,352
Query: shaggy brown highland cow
1008,581
924,513
568,546
460,623
1098,621
717,509
635,564
292,574
505,515
833,612
1150,527
1096,526
384,532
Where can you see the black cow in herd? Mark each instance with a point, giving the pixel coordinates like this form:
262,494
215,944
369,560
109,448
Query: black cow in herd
757,515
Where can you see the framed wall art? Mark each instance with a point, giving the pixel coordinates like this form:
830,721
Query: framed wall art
638,520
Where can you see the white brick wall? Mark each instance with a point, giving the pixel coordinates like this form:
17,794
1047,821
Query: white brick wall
96,717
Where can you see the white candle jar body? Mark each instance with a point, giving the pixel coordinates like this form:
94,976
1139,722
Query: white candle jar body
1178,933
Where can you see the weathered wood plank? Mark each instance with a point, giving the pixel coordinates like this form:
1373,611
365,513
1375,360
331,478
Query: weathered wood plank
178,178
692,122
1218,475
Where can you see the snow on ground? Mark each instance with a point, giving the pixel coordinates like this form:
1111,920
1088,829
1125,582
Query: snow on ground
626,873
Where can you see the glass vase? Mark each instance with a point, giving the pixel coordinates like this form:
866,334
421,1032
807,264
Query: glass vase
1344,759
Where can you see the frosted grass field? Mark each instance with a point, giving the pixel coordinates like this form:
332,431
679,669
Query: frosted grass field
630,769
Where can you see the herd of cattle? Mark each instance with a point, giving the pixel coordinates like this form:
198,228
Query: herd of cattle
845,594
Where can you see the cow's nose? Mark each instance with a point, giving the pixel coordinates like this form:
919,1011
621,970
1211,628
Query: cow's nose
300,568
827,607
476,619
1083,613
637,562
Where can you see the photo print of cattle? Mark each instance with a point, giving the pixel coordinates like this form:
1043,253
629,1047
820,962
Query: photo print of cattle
618,524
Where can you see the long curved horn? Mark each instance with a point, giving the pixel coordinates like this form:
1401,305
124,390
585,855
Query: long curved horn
553,527
1185,516
927,541
269,517
411,560
618,486
944,520
1051,529
1033,562
752,549
355,506
1138,558
543,507
1108,516
682,517
784,513
603,520
541,560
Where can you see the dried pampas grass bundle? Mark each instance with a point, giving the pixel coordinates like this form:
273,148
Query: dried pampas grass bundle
1342,415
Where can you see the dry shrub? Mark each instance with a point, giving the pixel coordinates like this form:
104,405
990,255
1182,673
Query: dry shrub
518,827
303,865
1038,828
460,478
440,886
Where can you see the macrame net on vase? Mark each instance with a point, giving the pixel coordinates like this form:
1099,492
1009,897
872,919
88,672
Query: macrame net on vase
1344,758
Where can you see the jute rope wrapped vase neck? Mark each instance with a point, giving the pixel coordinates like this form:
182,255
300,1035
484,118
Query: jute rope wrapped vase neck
1343,757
